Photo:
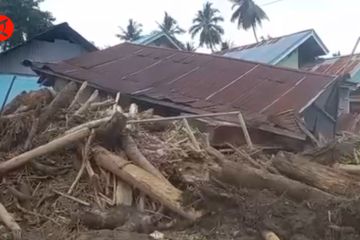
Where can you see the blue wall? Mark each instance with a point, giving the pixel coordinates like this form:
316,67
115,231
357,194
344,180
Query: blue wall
22,83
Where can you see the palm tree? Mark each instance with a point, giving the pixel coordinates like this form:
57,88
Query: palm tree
190,47
170,25
206,23
248,15
132,32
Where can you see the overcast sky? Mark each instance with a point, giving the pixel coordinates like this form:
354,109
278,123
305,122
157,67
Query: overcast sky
336,21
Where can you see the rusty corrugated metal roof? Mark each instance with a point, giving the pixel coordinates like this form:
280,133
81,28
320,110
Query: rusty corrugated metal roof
338,66
199,81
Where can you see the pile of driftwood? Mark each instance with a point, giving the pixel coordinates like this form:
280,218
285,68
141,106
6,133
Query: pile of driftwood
81,166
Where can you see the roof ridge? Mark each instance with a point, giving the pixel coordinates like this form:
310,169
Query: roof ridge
86,42
267,40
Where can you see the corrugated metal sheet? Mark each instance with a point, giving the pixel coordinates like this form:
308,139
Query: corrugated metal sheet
338,66
273,50
199,81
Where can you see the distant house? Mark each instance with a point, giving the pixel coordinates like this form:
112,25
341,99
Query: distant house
58,43
293,51
160,39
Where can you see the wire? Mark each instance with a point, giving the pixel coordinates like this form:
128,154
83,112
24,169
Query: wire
270,3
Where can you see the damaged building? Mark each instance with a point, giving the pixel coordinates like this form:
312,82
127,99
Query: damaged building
278,103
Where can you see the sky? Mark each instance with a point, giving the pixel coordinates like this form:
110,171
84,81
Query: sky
335,21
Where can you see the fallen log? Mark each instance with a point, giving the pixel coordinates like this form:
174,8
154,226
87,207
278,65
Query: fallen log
249,177
104,104
110,133
62,100
219,157
328,179
268,235
123,194
121,216
91,124
351,169
87,104
112,235
77,96
133,152
10,222
156,188
55,145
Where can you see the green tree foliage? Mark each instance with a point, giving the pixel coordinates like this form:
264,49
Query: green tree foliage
170,25
28,19
133,31
206,24
248,15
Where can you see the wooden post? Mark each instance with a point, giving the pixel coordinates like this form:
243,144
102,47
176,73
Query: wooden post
245,131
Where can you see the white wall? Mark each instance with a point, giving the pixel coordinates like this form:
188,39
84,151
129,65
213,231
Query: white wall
40,51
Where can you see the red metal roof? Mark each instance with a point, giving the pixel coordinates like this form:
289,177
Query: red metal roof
337,65
198,81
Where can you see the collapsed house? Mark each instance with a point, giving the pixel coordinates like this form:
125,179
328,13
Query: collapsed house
76,165
91,170
277,103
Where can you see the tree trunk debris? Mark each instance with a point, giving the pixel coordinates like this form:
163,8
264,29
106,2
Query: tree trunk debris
9,221
146,182
322,177
144,179
248,177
